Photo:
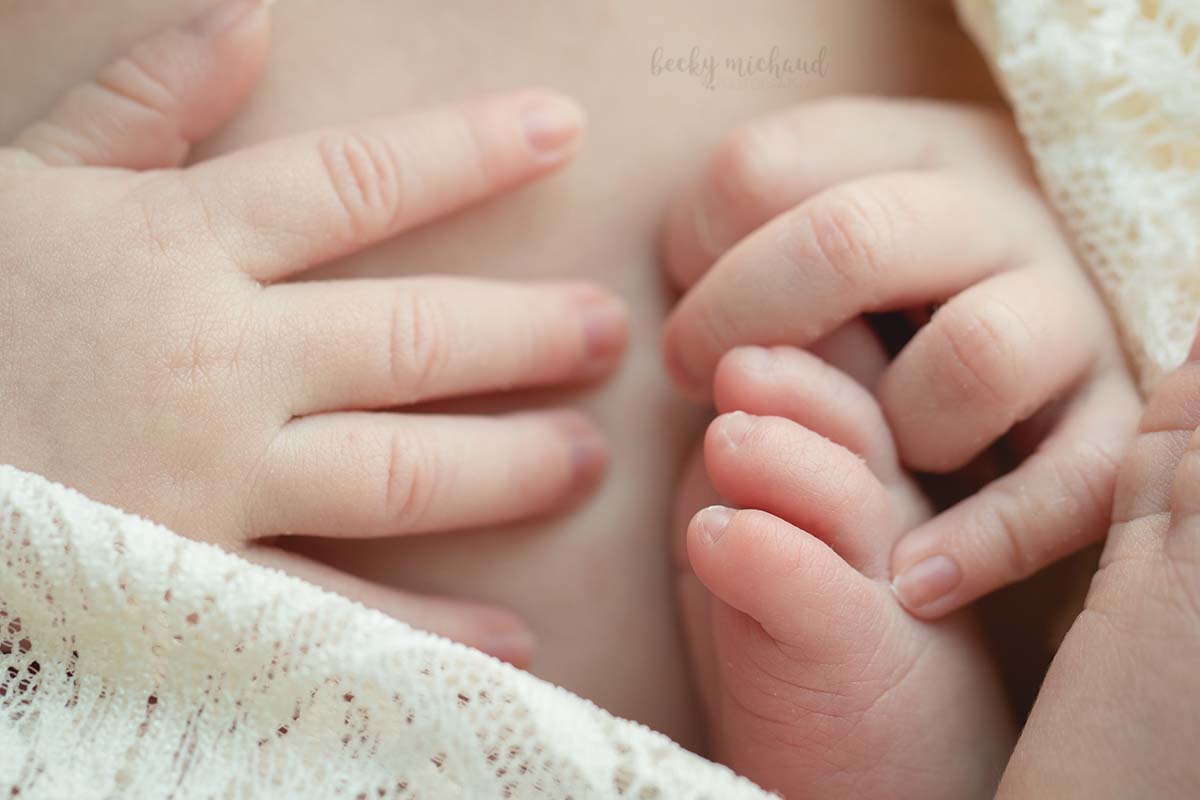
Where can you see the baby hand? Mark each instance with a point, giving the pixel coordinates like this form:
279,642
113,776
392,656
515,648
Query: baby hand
808,219
152,358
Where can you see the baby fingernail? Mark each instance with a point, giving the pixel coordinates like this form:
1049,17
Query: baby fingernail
222,17
605,329
1194,354
735,426
551,124
926,582
713,521
588,457
588,449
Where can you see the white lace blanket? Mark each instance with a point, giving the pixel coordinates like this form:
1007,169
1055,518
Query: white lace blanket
134,663
142,664
1107,94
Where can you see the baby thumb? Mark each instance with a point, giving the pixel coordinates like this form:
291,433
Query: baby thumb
145,109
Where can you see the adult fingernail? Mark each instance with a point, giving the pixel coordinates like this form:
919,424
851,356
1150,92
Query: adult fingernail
222,17
605,329
551,124
734,427
924,583
712,522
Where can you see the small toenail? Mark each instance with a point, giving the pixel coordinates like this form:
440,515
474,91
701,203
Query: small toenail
713,521
735,426
926,582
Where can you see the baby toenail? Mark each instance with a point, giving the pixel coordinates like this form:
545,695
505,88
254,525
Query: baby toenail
926,582
735,426
713,521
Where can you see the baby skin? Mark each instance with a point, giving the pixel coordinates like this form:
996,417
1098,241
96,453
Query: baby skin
823,615
1116,716
816,681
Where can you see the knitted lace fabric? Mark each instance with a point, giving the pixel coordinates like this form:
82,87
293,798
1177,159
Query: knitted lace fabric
135,663
1107,95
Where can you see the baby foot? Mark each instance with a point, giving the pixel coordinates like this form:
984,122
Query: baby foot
1117,714
816,682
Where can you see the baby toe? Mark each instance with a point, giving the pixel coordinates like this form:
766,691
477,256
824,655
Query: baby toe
797,385
775,465
792,584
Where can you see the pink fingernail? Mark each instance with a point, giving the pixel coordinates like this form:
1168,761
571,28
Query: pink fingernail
551,124
589,450
589,455
1194,353
222,17
605,329
713,522
926,582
